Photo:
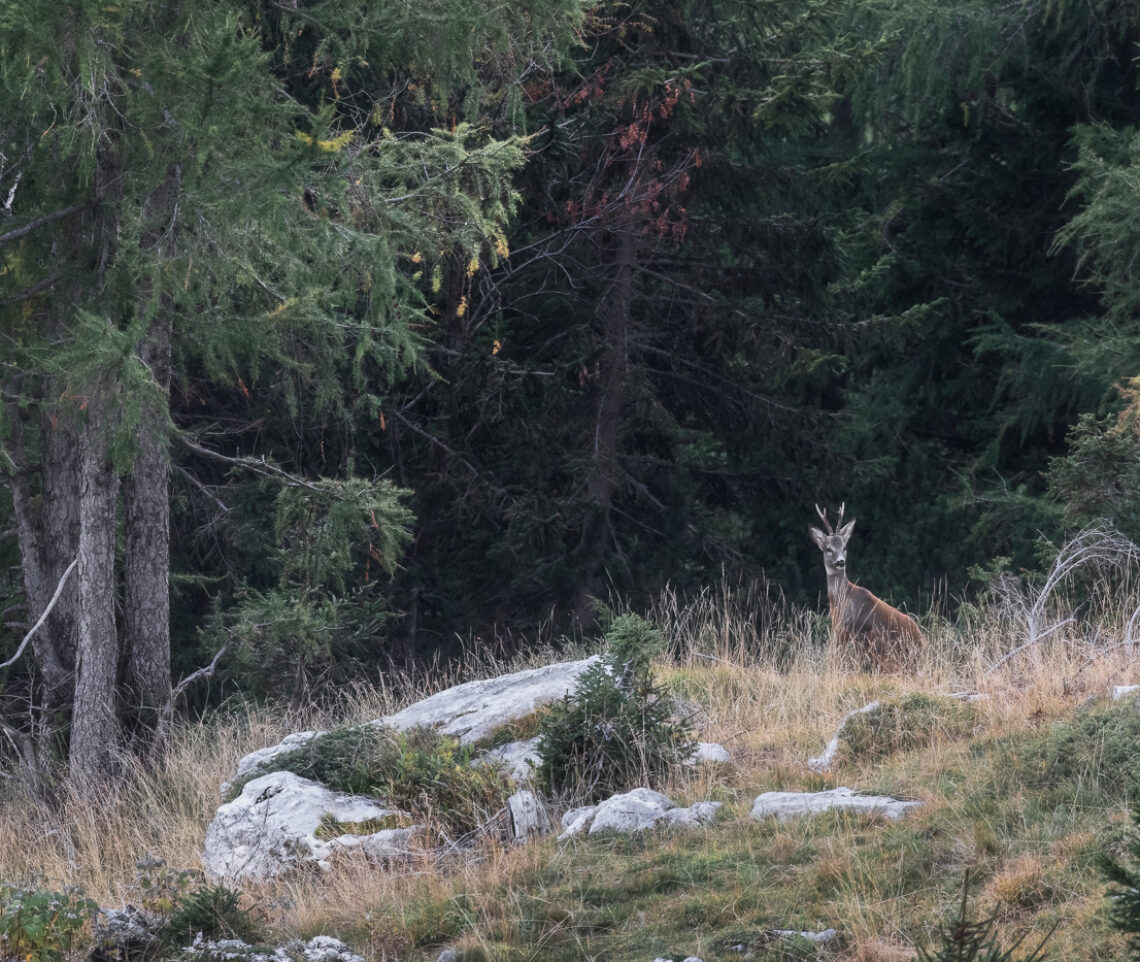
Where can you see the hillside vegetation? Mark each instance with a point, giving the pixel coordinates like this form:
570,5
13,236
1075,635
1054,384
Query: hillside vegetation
1022,790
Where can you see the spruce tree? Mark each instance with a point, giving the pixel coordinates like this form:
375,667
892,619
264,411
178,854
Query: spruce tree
1125,893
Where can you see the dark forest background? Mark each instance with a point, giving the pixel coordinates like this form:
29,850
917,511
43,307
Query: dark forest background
588,300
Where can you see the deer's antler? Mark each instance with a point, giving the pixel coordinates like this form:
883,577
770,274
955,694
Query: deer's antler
827,524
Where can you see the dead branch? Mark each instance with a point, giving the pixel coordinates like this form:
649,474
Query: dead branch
1098,544
43,617
166,714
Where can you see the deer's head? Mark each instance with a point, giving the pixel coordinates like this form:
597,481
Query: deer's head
833,543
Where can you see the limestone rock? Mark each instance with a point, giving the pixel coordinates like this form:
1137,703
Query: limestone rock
472,710
271,827
519,759
635,811
819,938
126,933
528,816
263,755
786,805
322,948
469,711
822,763
1122,691
710,752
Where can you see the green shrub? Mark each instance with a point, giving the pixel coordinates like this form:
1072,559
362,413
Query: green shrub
429,775
912,721
216,912
1097,749
344,759
615,731
39,925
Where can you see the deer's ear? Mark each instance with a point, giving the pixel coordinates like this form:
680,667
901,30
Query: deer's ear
845,531
818,537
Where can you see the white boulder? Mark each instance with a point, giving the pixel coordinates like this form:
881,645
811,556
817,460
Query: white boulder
1122,691
470,711
635,811
786,805
272,826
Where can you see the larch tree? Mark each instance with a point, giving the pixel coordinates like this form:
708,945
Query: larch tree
216,185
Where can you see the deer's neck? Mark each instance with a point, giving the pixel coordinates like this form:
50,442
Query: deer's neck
838,587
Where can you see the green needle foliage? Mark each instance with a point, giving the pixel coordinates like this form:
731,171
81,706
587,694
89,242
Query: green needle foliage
617,729
966,941
1125,893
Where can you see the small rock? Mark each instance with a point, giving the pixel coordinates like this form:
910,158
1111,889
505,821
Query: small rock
322,948
528,816
389,843
520,759
785,805
125,933
710,752
635,811
1121,691
695,815
631,812
827,935
969,695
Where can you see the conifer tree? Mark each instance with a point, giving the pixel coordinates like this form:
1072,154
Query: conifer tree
215,191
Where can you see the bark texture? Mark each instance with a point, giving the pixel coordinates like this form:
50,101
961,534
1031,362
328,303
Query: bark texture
146,582
602,476
94,749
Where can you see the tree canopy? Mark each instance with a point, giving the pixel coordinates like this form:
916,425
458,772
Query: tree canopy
334,331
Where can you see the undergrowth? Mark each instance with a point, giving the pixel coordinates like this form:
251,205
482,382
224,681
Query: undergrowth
1023,791
428,775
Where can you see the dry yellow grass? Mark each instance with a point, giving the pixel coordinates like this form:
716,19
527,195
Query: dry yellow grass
770,690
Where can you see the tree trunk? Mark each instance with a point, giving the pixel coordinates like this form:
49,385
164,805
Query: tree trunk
94,726
602,479
146,588
47,526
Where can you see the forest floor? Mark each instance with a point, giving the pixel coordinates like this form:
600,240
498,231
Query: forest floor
1021,791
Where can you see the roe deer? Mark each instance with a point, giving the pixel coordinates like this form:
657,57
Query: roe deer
879,633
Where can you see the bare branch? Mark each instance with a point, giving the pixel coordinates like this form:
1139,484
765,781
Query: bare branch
1097,544
166,715
33,290
43,617
256,465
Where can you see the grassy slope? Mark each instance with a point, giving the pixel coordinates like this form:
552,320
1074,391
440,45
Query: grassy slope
1023,796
